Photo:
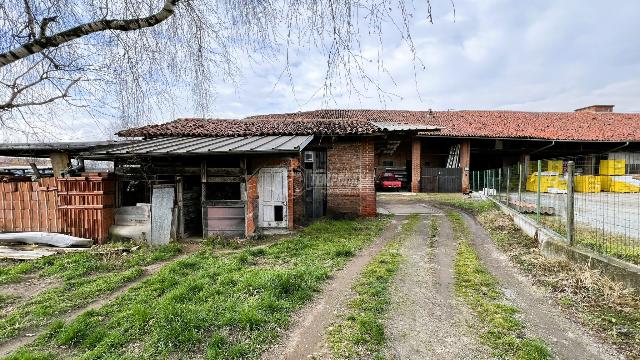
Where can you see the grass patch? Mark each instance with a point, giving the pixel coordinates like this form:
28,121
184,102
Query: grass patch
7,299
597,302
617,246
221,306
360,332
501,330
85,276
99,259
460,201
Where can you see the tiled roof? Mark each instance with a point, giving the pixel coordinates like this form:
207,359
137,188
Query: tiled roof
218,127
578,126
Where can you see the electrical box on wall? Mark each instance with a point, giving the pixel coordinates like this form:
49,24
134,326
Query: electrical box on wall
308,156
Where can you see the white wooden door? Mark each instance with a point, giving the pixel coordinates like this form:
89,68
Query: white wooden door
273,195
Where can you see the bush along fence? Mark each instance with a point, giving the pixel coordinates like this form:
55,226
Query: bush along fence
591,201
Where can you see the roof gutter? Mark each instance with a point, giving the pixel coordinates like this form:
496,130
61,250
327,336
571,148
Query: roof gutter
618,148
543,148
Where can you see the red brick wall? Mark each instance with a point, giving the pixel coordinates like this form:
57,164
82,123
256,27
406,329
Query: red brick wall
350,178
416,147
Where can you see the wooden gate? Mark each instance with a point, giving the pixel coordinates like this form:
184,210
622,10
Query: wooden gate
441,180
78,206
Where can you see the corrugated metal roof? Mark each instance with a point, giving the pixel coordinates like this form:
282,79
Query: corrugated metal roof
394,126
206,145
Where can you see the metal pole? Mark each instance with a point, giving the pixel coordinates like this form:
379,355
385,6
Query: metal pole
499,184
570,214
519,183
493,179
508,180
538,198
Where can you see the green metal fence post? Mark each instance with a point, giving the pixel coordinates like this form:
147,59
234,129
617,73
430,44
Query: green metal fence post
499,184
538,191
519,183
508,180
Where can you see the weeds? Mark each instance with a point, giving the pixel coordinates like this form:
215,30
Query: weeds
618,246
360,332
502,331
99,259
85,276
224,306
599,303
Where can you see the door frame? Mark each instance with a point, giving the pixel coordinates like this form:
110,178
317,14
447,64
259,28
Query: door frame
264,203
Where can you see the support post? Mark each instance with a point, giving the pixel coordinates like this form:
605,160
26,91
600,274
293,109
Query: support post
570,203
415,165
499,184
508,181
519,182
465,163
538,191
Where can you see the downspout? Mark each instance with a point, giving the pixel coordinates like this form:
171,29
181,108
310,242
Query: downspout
543,148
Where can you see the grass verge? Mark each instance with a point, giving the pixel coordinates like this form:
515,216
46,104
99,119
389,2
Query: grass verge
617,246
99,259
216,306
597,302
85,276
360,332
501,331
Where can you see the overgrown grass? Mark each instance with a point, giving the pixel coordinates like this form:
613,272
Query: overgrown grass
221,306
98,259
604,306
85,276
614,245
501,330
360,332
460,201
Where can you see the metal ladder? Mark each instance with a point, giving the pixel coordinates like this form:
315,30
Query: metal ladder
454,157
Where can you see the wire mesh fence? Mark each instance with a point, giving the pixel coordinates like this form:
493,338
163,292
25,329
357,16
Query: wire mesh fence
602,196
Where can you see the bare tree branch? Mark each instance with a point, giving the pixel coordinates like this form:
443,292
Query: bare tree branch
47,42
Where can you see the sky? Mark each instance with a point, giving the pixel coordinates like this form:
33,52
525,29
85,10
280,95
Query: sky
539,55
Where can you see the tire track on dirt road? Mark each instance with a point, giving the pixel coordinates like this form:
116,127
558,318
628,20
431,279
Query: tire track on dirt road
543,319
424,320
306,336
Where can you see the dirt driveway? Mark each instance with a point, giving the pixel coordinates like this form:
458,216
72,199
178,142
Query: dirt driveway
424,319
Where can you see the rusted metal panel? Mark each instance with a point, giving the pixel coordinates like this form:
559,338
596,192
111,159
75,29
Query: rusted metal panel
225,218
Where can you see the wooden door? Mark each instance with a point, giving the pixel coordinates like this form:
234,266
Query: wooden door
273,195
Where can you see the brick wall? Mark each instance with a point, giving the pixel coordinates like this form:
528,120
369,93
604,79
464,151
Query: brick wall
416,149
350,178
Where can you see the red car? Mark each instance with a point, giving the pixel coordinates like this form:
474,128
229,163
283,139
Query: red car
389,181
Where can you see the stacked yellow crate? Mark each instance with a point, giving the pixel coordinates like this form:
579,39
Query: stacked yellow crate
550,182
613,178
612,167
588,184
554,166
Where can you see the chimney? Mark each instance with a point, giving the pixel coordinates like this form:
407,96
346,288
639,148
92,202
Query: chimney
597,108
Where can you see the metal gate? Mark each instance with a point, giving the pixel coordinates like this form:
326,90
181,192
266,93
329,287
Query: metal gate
315,183
441,180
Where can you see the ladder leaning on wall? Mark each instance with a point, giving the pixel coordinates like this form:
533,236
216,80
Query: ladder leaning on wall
453,161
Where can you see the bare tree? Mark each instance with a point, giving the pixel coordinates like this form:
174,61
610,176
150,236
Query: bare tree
133,57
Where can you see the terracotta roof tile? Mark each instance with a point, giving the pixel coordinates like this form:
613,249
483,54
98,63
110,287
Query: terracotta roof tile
578,126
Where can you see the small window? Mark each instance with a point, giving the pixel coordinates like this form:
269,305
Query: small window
278,213
387,163
223,191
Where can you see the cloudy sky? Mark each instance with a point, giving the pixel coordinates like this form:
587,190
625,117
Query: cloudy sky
541,55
